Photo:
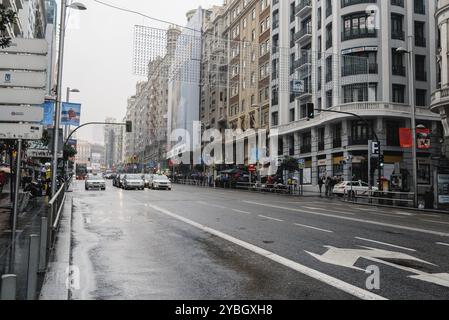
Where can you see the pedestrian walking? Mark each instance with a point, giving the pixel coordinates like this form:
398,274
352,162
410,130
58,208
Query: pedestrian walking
320,185
328,185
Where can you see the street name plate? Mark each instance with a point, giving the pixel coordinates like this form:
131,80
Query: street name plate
21,114
24,131
23,79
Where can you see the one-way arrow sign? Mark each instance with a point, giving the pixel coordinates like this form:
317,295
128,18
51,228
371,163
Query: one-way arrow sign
348,258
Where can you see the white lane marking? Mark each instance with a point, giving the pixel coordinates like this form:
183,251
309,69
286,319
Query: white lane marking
386,244
327,210
211,205
387,215
442,234
314,228
240,211
434,221
402,213
317,275
443,244
270,218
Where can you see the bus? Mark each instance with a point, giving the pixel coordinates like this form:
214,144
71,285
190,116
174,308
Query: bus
81,171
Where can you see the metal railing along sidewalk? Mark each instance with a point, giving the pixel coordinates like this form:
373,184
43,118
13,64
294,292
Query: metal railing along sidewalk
39,250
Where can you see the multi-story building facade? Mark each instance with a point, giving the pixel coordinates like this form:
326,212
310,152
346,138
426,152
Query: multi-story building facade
84,152
440,97
213,107
344,55
247,29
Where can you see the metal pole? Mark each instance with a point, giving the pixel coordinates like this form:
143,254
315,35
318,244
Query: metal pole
370,144
58,97
413,117
15,205
33,266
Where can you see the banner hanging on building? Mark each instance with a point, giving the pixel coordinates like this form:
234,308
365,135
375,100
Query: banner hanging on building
405,137
71,114
423,138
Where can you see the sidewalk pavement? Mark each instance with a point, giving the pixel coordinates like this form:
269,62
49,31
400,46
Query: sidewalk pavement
56,282
28,223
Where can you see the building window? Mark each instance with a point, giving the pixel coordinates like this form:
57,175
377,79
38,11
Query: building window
292,115
397,26
421,97
275,119
393,133
398,93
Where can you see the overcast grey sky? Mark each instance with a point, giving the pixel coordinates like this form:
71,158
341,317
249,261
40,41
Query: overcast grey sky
99,52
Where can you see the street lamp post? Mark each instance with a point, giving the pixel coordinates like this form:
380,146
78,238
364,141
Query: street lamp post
64,7
259,168
411,78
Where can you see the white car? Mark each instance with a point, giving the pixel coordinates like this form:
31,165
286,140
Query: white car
94,181
159,181
355,188
133,181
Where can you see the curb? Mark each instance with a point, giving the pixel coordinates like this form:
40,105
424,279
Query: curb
56,282
400,208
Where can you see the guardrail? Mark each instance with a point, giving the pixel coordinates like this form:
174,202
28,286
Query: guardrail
39,249
399,199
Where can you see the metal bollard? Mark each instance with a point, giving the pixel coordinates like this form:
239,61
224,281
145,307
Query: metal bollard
33,266
8,291
43,245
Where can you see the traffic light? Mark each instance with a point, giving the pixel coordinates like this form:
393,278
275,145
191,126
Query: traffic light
381,161
129,126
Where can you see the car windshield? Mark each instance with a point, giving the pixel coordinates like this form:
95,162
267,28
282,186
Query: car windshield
94,178
160,177
148,176
134,176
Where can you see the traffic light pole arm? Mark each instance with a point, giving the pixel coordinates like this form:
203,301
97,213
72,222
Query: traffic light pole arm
88,124
354,115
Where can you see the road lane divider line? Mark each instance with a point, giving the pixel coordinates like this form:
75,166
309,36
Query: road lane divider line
437,233
314,228
312,273
385,244
434,221
270,218
241,211
387,215
443,244
327,210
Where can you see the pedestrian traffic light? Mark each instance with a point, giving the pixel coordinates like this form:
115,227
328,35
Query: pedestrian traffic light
129,126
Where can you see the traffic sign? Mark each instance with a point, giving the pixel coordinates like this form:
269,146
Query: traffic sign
24,131
21,114
23,79
19,96
375,148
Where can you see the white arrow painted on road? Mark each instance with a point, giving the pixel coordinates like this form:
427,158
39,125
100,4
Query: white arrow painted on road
348,258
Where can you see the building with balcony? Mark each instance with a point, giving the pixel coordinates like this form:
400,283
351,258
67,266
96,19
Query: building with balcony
342,56
440,97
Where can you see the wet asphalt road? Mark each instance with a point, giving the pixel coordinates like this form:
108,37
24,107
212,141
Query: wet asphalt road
195,243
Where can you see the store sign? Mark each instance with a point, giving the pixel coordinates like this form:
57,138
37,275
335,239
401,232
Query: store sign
298,86
359,49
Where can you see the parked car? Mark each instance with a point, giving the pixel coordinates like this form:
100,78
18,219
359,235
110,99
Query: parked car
133,181
159,181
94,181
352,188
148,178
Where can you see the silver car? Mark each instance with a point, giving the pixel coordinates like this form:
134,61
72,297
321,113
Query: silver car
133,181
159,181
96,182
